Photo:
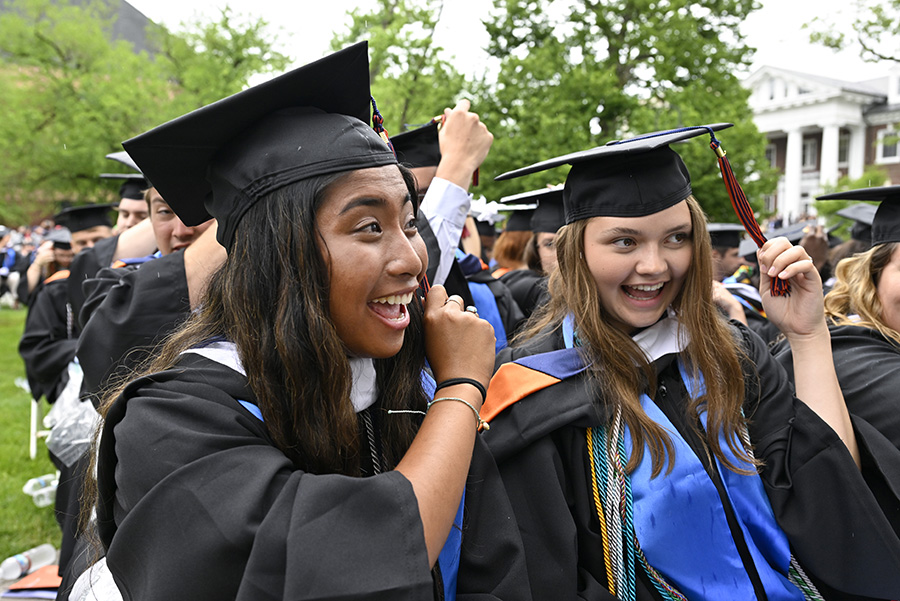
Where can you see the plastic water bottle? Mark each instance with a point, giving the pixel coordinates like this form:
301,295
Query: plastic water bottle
42,489
36,484
27,561
45,496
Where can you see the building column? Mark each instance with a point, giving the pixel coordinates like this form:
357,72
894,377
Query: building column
793,172
828,158
856,158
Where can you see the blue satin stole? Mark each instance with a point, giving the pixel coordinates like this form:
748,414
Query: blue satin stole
484,300
682,528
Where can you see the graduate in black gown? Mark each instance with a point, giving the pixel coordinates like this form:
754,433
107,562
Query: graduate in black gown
863,310
133,305
48,346
653,450
282,445
529,286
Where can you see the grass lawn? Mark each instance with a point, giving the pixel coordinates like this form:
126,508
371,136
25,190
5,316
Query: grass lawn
22,524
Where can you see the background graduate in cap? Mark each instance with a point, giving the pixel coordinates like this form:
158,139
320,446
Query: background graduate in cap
291,458
653,450
529,286
725,239
861,215
863,309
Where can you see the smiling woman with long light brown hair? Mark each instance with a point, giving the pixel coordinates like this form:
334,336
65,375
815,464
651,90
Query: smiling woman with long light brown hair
654,450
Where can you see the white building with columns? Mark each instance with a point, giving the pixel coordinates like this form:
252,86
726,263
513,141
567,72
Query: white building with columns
820,129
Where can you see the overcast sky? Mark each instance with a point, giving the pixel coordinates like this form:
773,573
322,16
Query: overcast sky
775,30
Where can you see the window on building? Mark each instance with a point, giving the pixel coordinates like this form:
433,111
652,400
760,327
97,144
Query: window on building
810,150
887,149
844,149
770,154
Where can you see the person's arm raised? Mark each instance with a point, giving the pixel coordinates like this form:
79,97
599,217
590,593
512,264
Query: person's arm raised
801,318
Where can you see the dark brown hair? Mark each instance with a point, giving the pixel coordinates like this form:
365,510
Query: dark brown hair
271,299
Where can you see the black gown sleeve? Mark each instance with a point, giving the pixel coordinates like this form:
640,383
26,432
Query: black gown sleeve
46,346
492,559
868,370
841,521
197,503
130,311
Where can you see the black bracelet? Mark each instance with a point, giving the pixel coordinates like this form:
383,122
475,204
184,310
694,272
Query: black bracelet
454,381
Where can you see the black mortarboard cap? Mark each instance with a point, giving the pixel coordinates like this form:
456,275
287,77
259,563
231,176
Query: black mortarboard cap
485,228
123,157
135,183
418,147
133,189
520,220
84,217
549,215
886,222
862,215
61,238
625,178
726,235
222,158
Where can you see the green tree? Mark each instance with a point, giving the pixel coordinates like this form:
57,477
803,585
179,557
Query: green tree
411,80
875,28
578,73
211,59
70,95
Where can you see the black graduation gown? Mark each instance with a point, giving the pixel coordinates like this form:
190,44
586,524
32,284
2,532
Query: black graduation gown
85,266
456,280
48,340
868,370
510,313
197,503
127,311
47,347
528,288
841,523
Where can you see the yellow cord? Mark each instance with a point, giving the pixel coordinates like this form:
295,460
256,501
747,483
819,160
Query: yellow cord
610,582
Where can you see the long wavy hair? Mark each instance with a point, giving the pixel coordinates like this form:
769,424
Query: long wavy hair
618,367
856,291
271,298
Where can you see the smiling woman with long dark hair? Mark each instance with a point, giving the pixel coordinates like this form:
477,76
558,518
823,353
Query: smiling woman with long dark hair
286,443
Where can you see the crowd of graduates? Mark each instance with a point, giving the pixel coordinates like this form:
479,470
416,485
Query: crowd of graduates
294,319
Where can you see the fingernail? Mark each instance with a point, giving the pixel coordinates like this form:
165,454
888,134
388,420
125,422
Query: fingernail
771,272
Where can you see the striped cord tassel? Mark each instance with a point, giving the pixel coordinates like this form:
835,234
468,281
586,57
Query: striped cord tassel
743,210
378,125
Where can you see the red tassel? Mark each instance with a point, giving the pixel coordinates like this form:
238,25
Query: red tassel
744,211
378,126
